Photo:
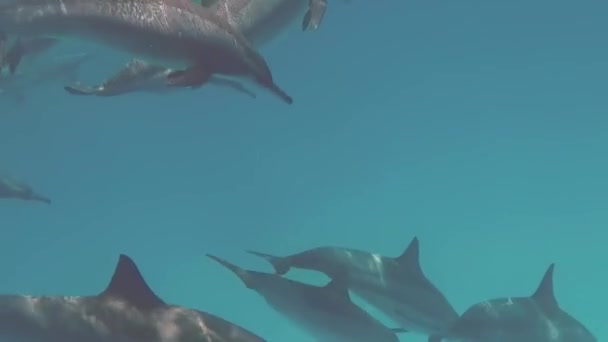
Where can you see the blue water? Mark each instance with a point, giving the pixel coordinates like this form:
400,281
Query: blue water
478,126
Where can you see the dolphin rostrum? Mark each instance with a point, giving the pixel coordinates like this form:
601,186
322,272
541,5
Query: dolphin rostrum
140,76
395,286
177,33
536,318
13,188
126,311
327,313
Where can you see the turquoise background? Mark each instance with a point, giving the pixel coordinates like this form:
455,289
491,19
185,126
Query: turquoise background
478,126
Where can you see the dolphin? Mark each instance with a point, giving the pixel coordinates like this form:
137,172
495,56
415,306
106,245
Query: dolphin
126,311
395,286
259,21
23,47
12,188
327,313
177,33
61,69
140,76
536,318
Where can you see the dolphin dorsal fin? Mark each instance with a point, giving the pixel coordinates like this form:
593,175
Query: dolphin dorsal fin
128,285
338,288
410,258
544,295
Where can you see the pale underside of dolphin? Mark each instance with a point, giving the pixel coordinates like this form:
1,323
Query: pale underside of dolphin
326,313
536,318
395,286
177,33
126,311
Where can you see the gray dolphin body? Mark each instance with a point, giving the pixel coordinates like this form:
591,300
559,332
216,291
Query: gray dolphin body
24,47
127,311
12,188
537,318
53,71
178,33
327,313
141,76
395,286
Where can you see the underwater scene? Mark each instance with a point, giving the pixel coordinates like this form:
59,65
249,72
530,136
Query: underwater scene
303,171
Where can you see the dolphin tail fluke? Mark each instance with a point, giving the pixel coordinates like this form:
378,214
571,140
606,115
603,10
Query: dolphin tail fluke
241,273
281,265
314,15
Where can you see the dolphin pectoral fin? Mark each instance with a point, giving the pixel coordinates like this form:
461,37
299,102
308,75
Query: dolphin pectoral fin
399,330
193,77
314,15
79,89
238,86
281,265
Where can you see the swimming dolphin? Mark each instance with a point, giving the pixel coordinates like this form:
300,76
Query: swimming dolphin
258,20
126,311
61,69
327,313
537,318
23,47
141,76
262,20
12,188
395,286
177,33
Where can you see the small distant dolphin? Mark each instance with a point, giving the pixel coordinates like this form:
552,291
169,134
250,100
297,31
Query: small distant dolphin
56,70
12,188
127,311
537,318
395,286
26,47
327,313
141,76
177,32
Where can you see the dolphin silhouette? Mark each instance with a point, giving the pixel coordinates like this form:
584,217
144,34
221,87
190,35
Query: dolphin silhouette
13,188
